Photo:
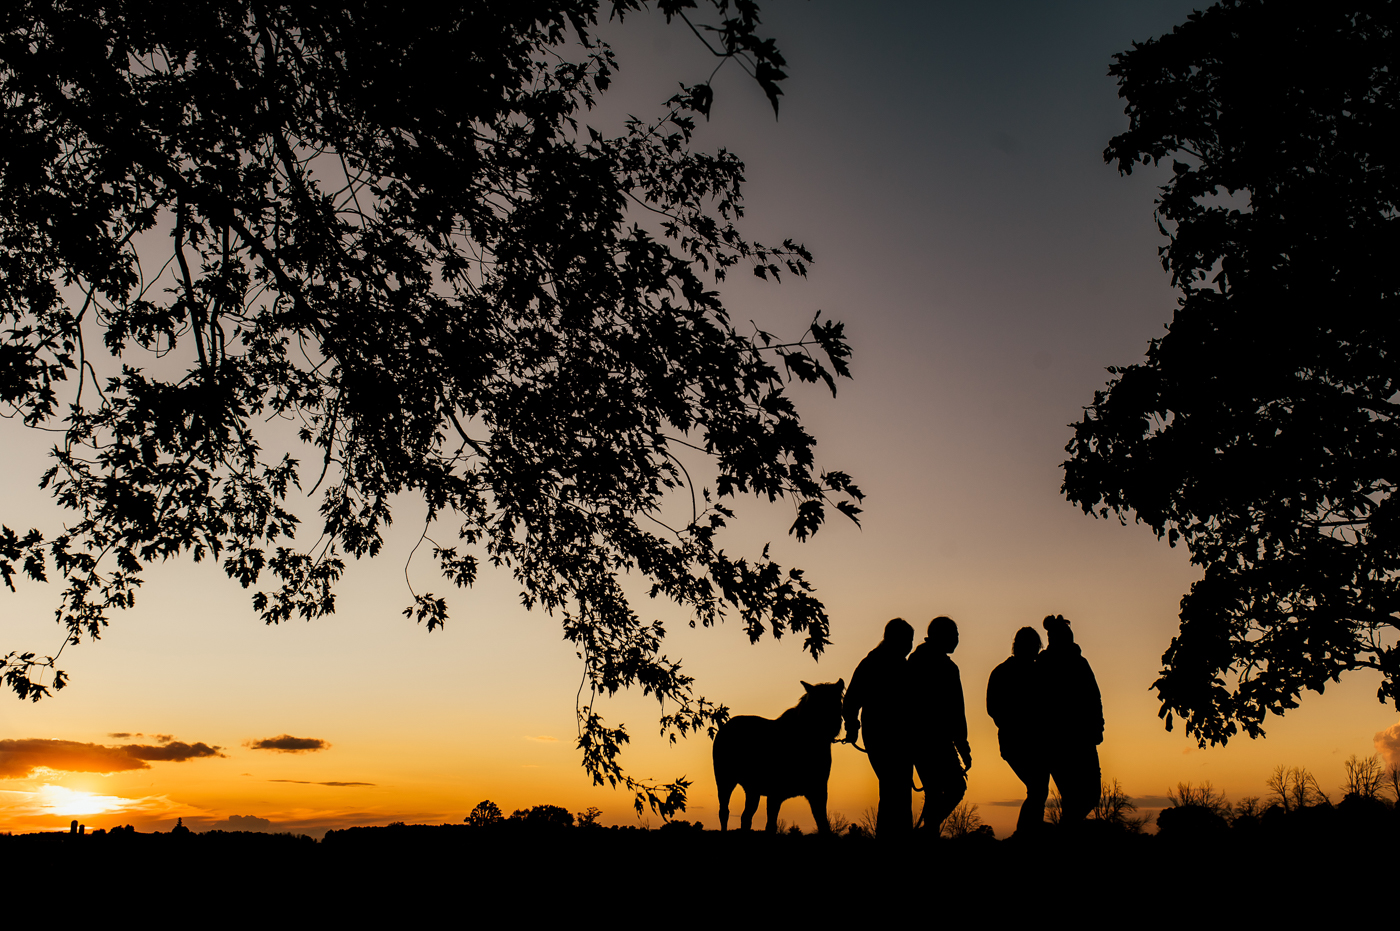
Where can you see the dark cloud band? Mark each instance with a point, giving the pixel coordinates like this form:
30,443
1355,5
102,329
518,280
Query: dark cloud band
286,743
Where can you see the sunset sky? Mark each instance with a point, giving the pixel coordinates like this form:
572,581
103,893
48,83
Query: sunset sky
944,164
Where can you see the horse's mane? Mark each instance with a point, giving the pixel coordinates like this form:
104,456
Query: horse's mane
799,710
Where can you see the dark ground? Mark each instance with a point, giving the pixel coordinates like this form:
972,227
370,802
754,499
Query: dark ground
1281,868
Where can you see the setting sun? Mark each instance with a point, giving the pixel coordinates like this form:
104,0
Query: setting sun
58,800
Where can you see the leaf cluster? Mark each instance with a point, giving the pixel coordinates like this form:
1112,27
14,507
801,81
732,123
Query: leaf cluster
388,229
1261,430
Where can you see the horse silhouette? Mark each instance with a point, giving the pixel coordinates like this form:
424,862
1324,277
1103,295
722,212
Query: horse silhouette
780,759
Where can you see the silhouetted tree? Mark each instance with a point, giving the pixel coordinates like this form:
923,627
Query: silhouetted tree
1205,795
1116,808
1364,778
1261,428
963,820
1294,788
485,813
869,822
1248,807
386,226
589,817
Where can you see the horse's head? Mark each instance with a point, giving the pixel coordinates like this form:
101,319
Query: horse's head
821,706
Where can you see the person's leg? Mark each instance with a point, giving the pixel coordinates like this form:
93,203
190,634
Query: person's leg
1033,771
895,772
944,784
1080,789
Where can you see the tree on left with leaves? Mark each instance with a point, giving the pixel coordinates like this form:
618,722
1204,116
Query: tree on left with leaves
393,227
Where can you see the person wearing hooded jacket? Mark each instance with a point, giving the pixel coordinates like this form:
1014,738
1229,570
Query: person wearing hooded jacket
878,697
939,719
1074,708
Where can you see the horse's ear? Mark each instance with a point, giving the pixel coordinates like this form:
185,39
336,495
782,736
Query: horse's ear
841,684
807,686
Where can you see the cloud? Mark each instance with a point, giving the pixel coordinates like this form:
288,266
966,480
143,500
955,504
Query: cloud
544,738
20,758
286,743
123,735
174,751
1388,744
242,823
307,782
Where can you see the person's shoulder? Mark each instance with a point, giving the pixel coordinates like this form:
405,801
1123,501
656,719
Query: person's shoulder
871,659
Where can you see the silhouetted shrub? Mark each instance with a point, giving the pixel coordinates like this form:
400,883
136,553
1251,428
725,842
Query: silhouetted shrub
545,816
1191,821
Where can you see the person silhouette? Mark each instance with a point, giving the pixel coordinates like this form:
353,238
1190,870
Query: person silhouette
878,698
1070,694
1013,702
940,723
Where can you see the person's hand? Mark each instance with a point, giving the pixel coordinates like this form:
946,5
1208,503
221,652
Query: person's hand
852,731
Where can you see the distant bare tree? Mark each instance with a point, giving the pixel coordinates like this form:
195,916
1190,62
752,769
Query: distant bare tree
1294,788
1393,774
1365,778
1115,807
839,822
1248,807
867,821
1054,807
963,821
1204,796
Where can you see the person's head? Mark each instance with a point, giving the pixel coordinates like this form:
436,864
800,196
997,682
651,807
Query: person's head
1027,642
943,634
899,635
1057,629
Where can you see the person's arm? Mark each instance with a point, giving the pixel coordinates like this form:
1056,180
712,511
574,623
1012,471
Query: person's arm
851,705
960,720
996,697
1097,701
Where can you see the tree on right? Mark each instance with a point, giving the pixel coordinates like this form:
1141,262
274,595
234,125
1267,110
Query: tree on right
1262,430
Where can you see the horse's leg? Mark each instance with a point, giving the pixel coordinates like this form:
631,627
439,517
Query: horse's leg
726,789
817,800
775,802
750,806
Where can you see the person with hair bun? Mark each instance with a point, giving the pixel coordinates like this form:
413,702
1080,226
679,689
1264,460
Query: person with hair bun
1074,720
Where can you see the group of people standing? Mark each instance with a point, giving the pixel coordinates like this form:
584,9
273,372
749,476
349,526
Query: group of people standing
1045,703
